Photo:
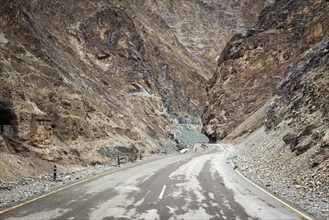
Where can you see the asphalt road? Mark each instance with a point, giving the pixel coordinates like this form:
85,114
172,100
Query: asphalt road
190,186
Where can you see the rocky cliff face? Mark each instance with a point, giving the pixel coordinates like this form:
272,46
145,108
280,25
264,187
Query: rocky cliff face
85,81
205,26
289,41
270,94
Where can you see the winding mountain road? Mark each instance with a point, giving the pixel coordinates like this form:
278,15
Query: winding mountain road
190,186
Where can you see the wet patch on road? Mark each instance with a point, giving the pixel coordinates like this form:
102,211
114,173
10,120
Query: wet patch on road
221,204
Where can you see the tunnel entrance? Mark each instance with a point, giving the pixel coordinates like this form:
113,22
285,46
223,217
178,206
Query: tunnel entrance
212,139
8,119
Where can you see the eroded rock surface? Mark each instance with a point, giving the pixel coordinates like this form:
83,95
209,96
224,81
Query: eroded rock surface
205,26
82,82
276,76
85,81
289,41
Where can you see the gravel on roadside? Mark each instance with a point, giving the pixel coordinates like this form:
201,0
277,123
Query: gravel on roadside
271,165
18,191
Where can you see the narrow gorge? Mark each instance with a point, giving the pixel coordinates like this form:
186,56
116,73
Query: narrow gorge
83,82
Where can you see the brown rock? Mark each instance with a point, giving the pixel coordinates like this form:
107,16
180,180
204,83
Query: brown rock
108,73
290,138
242,84
325,139
318,160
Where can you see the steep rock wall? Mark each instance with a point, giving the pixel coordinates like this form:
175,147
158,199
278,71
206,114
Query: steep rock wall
205,26
85,81
252,65
270,97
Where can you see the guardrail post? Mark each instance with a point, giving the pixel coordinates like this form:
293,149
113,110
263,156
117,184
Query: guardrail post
118,161
55,172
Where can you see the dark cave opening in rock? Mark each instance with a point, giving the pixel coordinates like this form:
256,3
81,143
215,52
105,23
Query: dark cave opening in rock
8,119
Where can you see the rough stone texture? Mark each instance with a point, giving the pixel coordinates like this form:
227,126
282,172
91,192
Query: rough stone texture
304,107
276,76
80,77
205,26
289,41
267,160
83,81
325,139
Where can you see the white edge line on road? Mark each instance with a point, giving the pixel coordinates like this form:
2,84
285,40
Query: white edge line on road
162,191
274,197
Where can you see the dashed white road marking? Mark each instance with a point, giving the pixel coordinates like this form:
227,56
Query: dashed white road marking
162,191
171,174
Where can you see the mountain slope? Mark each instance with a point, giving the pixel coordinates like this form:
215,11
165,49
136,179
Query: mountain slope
205,26
288,36
270,97
85,81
